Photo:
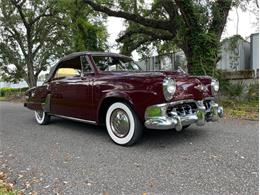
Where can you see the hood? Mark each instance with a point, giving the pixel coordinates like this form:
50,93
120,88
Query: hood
187,85
190,87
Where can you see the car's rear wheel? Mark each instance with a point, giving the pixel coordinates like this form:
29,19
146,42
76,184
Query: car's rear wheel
123,126
42,117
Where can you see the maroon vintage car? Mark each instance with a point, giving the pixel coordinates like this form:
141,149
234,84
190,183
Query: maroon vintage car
111,89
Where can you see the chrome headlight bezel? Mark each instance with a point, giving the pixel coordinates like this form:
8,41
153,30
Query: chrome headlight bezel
214,86
169,88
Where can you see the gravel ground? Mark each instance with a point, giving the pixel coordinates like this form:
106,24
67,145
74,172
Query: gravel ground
69,157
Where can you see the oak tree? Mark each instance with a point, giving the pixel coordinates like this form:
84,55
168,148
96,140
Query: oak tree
195,26
30,37
35,33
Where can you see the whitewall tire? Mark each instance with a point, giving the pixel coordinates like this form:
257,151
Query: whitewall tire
123,126
42,117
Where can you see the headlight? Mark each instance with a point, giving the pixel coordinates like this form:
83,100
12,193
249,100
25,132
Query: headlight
214,86
169,88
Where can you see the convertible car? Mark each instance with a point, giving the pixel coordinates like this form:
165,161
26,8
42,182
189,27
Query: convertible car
111,89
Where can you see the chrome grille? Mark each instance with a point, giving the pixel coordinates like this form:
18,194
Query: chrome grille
207,104
183,109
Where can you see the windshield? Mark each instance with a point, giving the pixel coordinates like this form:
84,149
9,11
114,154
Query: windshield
109,63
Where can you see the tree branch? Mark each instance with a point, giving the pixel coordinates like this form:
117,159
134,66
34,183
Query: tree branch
39,17
19,8
220,11
187,12
170,8
17,37
44,14
159,24
128,48
146,31
37,49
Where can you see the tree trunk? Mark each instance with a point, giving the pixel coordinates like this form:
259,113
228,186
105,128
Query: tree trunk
201,51
31,76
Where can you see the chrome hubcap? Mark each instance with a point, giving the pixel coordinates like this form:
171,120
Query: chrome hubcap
120,123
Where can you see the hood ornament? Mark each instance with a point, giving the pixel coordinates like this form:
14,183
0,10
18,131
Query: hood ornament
201,88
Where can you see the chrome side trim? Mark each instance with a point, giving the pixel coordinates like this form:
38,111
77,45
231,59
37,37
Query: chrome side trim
75,119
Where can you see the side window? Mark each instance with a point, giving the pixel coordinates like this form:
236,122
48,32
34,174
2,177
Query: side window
68,68
106,63
86,65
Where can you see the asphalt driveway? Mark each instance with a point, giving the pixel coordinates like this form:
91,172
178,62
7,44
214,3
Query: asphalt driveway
68,157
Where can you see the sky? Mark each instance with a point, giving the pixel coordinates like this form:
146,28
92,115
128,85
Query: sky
246,27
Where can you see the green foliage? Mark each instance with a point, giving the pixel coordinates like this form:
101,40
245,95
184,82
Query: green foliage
9,91
30,38
85,28
204,54
164,25
234,90
224,84
253,92
36,33
243,109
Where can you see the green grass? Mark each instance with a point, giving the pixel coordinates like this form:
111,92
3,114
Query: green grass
3,191
2,98
241,109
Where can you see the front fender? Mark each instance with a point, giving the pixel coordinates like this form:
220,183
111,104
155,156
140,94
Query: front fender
139,100
114,95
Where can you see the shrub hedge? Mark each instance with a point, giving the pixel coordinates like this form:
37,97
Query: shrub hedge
9,91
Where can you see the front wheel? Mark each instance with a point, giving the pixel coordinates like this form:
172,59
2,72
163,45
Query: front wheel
42,117
123,126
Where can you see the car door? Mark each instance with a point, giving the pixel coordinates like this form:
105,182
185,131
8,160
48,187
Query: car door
71,95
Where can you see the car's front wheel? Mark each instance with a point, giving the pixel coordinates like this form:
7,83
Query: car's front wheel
123,126
42,117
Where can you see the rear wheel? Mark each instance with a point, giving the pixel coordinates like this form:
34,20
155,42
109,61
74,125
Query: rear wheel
42,117
123,126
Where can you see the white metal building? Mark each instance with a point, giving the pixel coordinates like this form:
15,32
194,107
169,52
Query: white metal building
254,39
235,55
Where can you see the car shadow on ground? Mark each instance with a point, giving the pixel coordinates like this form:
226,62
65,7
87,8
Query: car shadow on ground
161,138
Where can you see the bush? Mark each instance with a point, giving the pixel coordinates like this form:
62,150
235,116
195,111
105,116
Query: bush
253,92
6,91
233,90
236,90
224,85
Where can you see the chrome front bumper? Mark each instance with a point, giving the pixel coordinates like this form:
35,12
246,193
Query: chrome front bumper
164,119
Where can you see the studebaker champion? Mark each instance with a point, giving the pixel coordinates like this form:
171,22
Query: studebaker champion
111,89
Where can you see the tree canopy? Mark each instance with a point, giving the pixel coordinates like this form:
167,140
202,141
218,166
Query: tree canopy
195,26
35,33
85,27
30,35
